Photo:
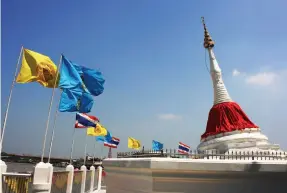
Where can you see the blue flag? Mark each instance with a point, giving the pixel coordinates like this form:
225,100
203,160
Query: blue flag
106,138
75,97
156,146
100,139
93,79
69,76
75,101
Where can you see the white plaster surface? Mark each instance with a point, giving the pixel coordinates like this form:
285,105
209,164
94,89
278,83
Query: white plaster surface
3,169
219,90
247,140
41,179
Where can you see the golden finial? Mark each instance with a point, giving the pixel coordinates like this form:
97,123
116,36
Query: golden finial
208,43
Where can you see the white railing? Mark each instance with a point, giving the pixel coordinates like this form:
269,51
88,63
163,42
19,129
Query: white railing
211,154
45,180
16,183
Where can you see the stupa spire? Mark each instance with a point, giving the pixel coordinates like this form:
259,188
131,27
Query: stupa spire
225,116
219,90
208,42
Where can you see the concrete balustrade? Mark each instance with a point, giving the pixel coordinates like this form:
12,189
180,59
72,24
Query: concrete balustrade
43,176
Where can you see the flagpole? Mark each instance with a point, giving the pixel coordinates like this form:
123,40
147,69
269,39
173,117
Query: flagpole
9,100
94,152
53,132
49,113
86,150
72,147
102,152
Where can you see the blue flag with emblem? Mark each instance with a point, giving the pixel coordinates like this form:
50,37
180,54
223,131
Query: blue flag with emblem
156,146
74,101
105,138
93,79
75,97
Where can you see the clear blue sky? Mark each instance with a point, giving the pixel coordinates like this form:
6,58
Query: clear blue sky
151,54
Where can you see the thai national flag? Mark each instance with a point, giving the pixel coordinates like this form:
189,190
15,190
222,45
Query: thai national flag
113,143
183,148
84,120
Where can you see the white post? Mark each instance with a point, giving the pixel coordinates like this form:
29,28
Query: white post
3,169
93,171
51,169
100,177
70,181
42,178
84,173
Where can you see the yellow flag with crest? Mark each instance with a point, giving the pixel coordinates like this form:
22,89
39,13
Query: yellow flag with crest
99,130
39,68
133,143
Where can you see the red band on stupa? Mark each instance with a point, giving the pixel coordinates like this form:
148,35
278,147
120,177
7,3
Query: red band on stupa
226,117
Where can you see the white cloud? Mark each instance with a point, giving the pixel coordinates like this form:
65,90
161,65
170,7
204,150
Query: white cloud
262,78
169,116
235,72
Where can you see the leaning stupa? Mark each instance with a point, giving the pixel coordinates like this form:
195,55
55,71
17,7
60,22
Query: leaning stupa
228,127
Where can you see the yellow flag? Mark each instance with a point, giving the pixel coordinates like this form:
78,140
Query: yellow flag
37,67
133,143
99,130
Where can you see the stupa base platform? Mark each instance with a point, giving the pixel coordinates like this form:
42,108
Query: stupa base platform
147,175
250,139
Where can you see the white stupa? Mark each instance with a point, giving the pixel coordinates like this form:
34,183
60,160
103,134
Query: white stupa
228,127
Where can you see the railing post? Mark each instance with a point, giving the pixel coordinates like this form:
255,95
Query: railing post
3,169
276,155
84,174
93,170
70,180
100,177
42,178
51,169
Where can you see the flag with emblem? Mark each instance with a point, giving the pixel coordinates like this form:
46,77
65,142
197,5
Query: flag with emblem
75,97
133,143
39,68
75,101
99,130
105,138
93,79
156,145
